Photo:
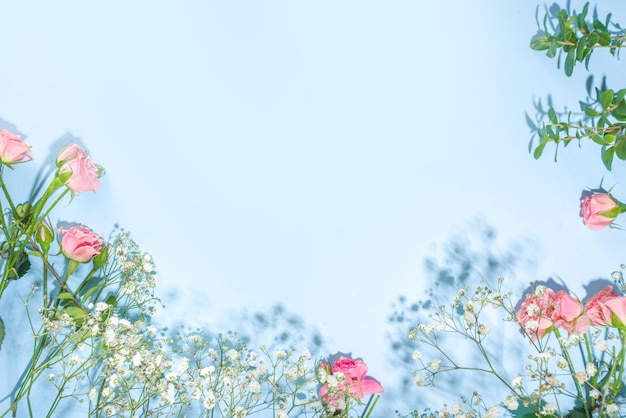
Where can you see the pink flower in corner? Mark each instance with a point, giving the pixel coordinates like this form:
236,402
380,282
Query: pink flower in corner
357,384
80,243
12,148
596,309
594,207
84,173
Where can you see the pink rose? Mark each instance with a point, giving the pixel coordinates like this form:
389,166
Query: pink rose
568,313
607,308
597,311
80,244
594,208
84,173
617,308
12,148
535,314
356,384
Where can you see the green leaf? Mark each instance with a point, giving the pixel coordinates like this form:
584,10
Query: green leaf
20,268
570,60
76,313
605,38
593,39
540,42
2,332
552,49
599,140
590,111
539,150
606,98
620,148
552,116
580,48
65,295
607,157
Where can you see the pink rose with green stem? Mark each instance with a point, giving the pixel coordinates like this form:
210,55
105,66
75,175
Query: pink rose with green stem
599,209
356,384
80,243
80,173
12,148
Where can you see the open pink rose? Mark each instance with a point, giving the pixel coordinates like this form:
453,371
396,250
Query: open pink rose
568,313
357,383
80,243
84,173
12,148
607,308
593,208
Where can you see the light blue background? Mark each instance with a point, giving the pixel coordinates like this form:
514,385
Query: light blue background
306,152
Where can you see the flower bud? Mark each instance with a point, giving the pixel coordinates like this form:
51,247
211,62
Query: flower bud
44,234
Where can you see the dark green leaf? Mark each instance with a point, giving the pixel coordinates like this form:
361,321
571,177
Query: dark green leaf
580,48
605,38
20,268
593,39
570,60
599,26
607,157
65,295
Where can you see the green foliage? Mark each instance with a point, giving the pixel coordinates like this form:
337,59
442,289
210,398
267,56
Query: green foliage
601,119
576,36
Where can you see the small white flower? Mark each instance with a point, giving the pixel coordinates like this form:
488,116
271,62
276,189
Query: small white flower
595,393
280,354
435,365
582,377
601,345
561,363
254,387
416,355
305,353
92,393
517,382
591,369
484,329
549,409
612,410
51,377
492,412
511,403
418,380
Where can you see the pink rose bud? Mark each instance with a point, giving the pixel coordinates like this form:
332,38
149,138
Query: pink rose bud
12,148
80,244
79,172
44,234
598,210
